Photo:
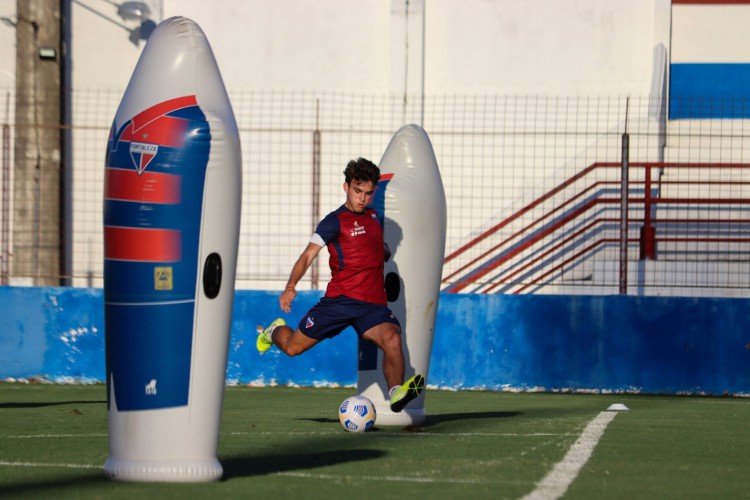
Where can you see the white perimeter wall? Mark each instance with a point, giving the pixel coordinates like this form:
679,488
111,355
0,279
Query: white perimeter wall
7,50
546,48
549,47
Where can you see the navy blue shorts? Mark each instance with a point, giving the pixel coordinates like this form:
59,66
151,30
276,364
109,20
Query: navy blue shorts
332,314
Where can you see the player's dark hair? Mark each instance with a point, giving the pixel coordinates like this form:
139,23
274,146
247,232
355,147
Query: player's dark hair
361,170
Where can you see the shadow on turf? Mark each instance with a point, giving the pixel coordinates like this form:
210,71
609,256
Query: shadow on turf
438,419
453,417
233,468
39,487
51,403
269,464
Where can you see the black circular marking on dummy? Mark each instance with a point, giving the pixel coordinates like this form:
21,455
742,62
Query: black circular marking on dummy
392,286
212,276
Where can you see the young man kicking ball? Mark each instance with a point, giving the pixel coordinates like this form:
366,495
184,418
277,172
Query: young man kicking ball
356,294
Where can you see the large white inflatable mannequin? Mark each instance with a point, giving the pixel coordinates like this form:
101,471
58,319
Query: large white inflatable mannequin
411,202
171,231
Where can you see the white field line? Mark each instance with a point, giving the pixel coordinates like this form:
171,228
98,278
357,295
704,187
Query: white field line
301,474
3,463
373,435
556,483
46,436
322,433
405,479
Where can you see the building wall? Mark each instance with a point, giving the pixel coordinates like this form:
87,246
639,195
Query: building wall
536,46
386,58
7,52
541,47
710,60
532,47
519,97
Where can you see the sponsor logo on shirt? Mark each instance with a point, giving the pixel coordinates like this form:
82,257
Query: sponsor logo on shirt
357,229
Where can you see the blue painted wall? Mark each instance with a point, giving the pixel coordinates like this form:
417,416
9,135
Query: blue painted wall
709,90
612,343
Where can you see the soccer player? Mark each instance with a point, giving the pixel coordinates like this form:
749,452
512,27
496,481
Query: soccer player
355,296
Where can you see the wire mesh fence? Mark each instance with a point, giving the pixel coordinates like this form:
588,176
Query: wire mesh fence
538,199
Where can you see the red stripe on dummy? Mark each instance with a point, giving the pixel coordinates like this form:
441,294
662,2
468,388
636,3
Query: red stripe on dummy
147,245
148,187
154,112
152,126
165,131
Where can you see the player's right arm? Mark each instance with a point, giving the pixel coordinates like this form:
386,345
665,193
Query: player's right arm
298,271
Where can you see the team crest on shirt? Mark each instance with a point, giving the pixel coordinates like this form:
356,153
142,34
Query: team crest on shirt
309,323
357,229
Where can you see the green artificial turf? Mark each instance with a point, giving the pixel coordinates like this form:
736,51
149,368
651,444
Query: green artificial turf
279,442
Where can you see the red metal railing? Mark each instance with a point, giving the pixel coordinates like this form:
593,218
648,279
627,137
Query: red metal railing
501,265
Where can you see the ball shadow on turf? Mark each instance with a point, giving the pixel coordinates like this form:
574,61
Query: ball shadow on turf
439,418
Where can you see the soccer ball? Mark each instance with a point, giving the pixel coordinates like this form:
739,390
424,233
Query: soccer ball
357,414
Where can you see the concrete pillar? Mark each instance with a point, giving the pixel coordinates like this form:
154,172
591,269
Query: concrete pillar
36,176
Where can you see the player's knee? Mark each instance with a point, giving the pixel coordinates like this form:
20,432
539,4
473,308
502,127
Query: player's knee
293,351
392,341
289,349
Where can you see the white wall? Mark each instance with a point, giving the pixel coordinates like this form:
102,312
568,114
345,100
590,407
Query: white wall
330,44
103,57
550,47
540,46
7,50
297,44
